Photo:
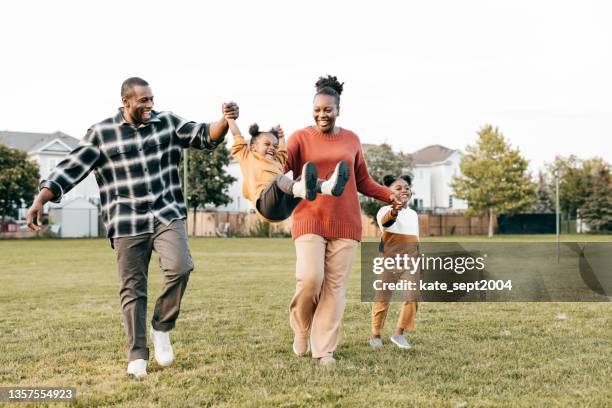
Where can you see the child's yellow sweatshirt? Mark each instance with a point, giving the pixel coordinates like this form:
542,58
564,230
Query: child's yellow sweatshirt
257,171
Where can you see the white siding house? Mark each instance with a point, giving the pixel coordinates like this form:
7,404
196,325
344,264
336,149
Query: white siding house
47,150
434,168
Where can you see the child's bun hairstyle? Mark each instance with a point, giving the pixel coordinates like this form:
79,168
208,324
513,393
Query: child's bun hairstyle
330,86
254,132
390,179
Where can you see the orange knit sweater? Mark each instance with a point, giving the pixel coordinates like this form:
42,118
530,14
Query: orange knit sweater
328,216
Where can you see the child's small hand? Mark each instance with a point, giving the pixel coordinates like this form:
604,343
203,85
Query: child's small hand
396,208
281,133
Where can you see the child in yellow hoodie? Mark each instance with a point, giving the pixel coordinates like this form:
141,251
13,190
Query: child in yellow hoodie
262,162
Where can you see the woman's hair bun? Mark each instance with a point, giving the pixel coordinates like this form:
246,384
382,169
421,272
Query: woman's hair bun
388,180
407,179
254,129
329,82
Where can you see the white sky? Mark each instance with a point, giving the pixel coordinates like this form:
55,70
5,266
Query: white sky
416,73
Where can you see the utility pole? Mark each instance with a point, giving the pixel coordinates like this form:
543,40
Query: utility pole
556,173
185,182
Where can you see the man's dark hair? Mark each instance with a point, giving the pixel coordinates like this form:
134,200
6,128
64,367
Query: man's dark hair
128,84
330,86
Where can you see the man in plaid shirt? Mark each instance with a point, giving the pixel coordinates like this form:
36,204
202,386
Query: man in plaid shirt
134,156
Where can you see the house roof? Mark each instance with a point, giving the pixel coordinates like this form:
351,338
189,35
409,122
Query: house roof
33,141
431,154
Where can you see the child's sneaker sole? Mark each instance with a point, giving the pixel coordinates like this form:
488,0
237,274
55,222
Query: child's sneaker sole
310,175
343,176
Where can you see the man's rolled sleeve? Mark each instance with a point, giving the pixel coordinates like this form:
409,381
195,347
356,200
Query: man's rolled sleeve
194,135
55,188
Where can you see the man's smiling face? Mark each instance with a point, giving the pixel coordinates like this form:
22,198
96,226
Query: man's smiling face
138,104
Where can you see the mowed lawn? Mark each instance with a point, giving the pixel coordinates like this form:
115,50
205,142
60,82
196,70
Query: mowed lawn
60,326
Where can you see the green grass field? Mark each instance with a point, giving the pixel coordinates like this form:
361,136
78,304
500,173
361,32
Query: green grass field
60,326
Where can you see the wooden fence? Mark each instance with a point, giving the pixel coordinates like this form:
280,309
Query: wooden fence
210,224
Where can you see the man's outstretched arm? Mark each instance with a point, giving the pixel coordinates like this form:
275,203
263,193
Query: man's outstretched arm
204,135
218,129
68,173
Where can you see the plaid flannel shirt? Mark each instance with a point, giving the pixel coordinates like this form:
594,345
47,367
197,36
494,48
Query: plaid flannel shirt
136,169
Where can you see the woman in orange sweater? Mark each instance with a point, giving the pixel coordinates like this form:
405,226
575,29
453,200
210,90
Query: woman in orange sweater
327,230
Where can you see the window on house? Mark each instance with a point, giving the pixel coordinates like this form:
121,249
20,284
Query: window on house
450,201
52,164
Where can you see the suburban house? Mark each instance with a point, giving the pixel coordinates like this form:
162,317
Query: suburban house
433,171
48,149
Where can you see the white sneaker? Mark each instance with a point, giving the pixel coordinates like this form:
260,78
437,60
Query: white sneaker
137,368
376,342
163,349
400,341
327,361
337,181
306,186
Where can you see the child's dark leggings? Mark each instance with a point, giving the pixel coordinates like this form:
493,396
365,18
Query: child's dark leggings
276,202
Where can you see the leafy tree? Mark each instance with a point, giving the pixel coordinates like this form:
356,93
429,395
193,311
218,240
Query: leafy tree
494,177
18,180
597,209
573,183
544,203
382,160
207,178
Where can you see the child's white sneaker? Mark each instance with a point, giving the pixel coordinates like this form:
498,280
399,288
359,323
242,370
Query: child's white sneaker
400,341
337,181
376,342
306,186
164,355
137,368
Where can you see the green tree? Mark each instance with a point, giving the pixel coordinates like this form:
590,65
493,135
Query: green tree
18,180
544,197
382,160
573,183
494,177
207,178
597,209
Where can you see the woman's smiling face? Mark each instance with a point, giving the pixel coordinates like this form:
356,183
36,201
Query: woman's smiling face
325,111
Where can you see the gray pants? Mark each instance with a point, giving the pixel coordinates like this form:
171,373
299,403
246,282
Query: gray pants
133,256
276,202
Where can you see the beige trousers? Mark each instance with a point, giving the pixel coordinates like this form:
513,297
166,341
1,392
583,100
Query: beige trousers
322,270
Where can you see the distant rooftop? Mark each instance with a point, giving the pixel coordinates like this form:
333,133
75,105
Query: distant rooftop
28,142
431,154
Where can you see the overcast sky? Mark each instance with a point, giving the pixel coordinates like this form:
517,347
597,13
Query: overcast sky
416,73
